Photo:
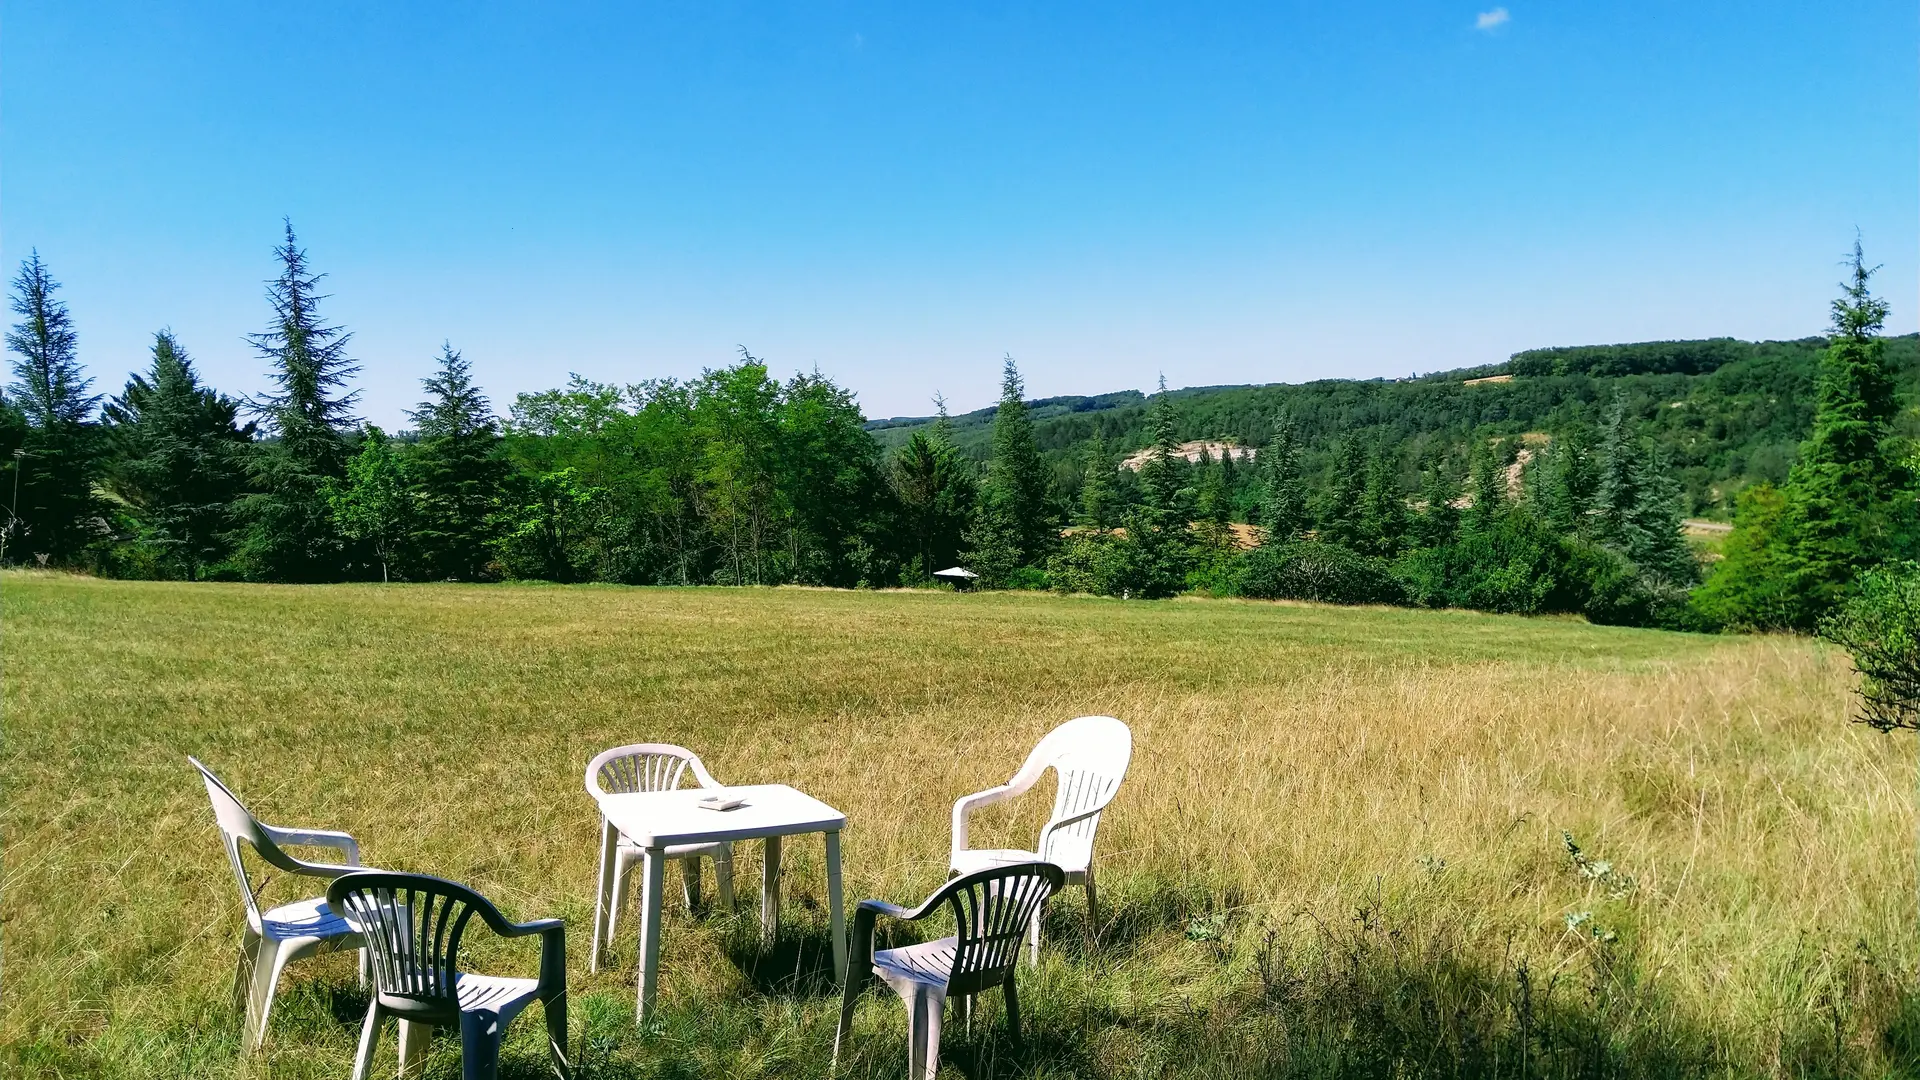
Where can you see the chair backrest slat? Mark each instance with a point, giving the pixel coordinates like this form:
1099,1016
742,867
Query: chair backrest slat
624,770
991,912
413,925
1089,756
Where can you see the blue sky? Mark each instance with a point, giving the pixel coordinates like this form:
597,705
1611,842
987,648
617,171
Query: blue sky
899,194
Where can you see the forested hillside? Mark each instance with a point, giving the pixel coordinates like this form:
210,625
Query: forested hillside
1554,482
1728,413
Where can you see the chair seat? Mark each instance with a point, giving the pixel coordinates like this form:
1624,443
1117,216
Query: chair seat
495,993
972,860
630,850
310,918
929,963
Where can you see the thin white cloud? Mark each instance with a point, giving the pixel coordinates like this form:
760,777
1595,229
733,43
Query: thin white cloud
1490,19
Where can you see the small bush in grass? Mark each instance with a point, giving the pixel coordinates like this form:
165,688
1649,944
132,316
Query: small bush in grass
1880,626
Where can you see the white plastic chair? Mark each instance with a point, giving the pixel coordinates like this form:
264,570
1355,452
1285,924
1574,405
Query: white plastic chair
1089,756
991,910
413,925
655,767
275,937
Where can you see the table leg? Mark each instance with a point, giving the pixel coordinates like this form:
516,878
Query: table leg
656,865
602,896
836,919
770,892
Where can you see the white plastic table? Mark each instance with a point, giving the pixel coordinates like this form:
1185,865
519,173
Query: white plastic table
656,820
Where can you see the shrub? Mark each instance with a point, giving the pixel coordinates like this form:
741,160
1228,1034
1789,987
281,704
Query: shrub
1310,570
1880,626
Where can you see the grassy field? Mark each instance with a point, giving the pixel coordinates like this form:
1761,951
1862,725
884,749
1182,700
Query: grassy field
1340,850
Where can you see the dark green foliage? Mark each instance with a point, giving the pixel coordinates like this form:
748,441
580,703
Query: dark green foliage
457,471
54,515
290,533
1018,486
177,460
993,541
1505,561
1322,572
1879,625
554,527
1644,358
1340,508
1099,499
1847,504
1384,521
1283,499
935,487
1438,520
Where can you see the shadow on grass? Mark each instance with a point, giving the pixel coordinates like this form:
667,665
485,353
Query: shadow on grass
797,963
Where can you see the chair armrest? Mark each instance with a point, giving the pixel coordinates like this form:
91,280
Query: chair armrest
525,929
1047,830
967,804
881,907
326,838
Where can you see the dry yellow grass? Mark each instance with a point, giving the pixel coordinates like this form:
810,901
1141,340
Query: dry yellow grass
1293,764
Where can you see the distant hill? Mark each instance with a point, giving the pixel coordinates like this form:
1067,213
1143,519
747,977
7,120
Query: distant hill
1729,412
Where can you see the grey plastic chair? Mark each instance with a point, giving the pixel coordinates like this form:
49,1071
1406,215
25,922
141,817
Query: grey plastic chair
413,926
280,935
652,767
1089,756
991,912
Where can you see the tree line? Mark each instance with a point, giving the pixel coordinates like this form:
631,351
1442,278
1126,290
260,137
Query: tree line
737,477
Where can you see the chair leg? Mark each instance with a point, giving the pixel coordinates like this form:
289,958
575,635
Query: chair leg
369,1038
966,1014
723,877
243,980
479,1045
690,882
1093,910
556,1010
924,1006
269,961
622,875
1013,1010
415,1038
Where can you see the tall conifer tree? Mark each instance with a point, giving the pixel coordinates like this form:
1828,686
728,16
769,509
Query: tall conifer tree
56,503
457,471
1017,485
1283,497
291,532
178,458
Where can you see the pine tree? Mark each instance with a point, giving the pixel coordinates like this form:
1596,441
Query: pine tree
1162,473
1487,485
291,533
1563,486
935,487
1847,507
177,458
1656,541
56,506
1283,499
1383,511
1439,520
1340,513
1099,501
1214,498
458,472
1617,472
1017,483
